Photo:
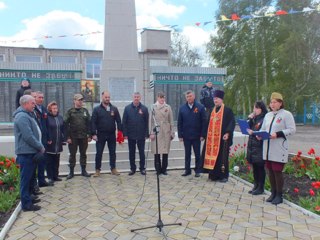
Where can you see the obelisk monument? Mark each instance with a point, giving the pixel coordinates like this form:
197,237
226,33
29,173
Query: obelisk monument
121,71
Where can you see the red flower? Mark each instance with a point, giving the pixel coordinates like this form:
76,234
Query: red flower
7,160
8,164
296,190
1,182
317,208
244,145
302,166
315,185
299,153
311,192
1,163
11,188
13,160
318,158
311,151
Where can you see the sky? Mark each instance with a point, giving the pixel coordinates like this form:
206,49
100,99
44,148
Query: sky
23,21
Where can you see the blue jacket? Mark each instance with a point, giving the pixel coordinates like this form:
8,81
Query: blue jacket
192,122
135,122
26,133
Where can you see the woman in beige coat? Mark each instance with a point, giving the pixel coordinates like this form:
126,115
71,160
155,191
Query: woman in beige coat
161,121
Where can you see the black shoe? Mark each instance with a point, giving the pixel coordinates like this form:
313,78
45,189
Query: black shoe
186,174
85,173
143,172
258,191
131,173
44,184
272,196
223,180
70,175
37,193
32,208
50,182
164,173
278,199
35,200
33,197
57,179
255,186
197,175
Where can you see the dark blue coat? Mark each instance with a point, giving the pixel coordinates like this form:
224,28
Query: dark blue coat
135,122
55,134
192,122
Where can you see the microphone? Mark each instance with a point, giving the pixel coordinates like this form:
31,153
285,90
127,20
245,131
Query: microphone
156,128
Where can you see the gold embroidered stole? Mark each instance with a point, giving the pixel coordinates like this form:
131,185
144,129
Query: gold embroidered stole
213,138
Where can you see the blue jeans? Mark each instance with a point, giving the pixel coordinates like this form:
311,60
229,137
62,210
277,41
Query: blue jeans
100,144
26,172
132,153
41,168
195,143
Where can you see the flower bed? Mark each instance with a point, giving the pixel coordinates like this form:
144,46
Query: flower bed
301,176
9,187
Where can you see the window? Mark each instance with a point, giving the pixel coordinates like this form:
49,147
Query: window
1,58
63,59
158,62
28,58
93,67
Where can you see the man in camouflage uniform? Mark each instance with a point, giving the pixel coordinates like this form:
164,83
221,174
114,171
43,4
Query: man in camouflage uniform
77,123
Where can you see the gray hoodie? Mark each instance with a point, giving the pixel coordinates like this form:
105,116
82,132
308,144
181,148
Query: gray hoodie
26,133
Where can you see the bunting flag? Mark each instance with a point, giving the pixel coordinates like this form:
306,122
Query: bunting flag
233,17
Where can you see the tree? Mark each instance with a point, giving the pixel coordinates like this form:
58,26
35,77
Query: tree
182,55
263,55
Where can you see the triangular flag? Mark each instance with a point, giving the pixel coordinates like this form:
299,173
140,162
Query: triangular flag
246,17
205,23
281,12
198,24
234,17
293,11
269,14
307,9
224,18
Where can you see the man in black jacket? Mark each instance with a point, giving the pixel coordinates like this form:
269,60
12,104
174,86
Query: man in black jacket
103,126
25,84
136,129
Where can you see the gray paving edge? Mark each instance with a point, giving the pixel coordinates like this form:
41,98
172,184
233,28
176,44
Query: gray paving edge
303,210
9,223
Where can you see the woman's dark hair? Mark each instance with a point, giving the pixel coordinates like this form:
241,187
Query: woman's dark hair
262,106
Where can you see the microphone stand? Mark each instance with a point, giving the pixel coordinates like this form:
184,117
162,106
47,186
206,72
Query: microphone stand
159,224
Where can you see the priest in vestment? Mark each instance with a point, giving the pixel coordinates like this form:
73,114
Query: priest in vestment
221,124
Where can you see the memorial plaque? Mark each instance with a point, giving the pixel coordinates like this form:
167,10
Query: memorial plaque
121,89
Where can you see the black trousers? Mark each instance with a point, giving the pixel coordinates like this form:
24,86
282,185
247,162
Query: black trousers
53,163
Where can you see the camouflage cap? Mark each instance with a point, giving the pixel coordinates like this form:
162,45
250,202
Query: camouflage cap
77,96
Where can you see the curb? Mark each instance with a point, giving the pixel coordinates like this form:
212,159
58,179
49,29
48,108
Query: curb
10,222
303,210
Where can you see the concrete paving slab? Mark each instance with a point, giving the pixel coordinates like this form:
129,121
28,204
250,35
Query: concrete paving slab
110,206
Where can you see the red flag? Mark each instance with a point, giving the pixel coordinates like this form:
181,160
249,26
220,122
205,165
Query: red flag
235,17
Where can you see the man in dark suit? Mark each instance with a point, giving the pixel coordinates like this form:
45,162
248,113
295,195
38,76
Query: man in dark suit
191,130
136,129
42,117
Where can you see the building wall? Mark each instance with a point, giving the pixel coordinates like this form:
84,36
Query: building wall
58,81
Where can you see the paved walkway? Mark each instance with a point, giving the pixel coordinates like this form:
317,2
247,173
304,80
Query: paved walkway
110,206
